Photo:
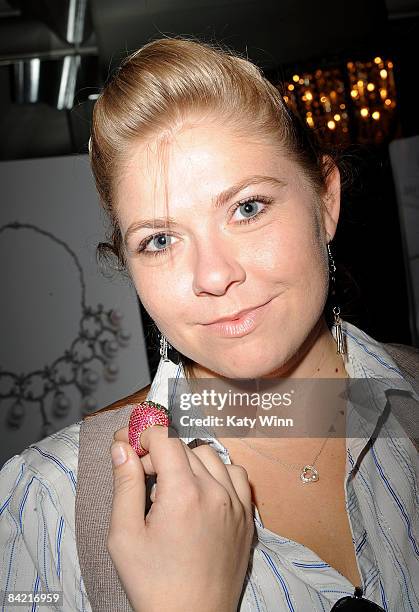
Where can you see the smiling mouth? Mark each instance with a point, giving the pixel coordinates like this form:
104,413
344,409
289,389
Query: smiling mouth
237,316
245,323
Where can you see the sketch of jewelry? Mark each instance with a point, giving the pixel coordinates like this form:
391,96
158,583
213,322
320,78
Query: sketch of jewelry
100,337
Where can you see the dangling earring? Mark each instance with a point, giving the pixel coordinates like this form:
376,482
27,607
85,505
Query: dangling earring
340,347
164,345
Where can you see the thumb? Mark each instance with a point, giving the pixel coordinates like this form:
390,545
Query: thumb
129,491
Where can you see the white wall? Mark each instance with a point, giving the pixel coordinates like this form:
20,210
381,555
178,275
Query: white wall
40,293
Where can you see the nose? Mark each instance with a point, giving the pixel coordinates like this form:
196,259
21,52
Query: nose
216,267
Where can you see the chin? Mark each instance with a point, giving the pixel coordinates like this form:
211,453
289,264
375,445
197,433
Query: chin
245,368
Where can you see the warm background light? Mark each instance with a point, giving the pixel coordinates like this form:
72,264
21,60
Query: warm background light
359,93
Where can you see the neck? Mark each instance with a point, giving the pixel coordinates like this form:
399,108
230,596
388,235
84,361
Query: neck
316,357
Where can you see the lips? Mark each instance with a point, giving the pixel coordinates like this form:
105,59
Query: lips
237,315
246,322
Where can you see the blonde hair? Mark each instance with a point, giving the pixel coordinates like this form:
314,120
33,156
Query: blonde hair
165,84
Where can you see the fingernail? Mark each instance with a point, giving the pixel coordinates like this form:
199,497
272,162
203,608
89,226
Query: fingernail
118,454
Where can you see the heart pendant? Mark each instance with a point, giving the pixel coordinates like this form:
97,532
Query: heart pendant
309,474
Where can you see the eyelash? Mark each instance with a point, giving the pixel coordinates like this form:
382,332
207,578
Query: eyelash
263,199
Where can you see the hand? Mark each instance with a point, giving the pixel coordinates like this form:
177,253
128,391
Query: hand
191,551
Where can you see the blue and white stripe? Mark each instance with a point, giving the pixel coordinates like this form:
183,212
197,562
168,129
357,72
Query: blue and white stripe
37,533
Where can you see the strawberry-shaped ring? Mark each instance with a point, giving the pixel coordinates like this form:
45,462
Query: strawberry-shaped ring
145,415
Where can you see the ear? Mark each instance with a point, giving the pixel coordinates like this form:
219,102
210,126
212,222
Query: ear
331,198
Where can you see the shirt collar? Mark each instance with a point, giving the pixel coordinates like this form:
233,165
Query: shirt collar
365,358
374,374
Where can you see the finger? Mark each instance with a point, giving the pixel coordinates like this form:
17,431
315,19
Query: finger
129,491
240,480
168,457
206,463
152,494
121,435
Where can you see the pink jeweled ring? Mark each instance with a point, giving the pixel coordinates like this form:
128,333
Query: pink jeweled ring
145,415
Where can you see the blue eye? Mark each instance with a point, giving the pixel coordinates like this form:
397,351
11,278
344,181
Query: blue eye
247,206
160,239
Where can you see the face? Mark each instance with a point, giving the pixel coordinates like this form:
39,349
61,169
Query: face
261,245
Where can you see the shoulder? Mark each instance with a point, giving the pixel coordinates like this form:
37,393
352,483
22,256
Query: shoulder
55,458
56,455
406,357
37,518
53,461
48,459
37,513
38,487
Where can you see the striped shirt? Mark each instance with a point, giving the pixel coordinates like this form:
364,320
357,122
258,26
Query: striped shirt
37,522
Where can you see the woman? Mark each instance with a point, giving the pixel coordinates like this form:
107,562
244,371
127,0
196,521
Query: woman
222,208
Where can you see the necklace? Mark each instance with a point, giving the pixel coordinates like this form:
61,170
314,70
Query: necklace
308,473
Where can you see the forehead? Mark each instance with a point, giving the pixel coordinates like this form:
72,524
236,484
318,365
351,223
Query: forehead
192,167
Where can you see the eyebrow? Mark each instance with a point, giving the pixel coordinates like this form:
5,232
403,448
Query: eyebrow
218,202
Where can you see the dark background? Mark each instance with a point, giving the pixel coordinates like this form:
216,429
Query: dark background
55,56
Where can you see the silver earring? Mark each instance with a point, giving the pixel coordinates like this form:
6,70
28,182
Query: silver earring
164,345
340,347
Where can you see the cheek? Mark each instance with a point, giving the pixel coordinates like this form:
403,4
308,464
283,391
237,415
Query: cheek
150,292
163,294
291,251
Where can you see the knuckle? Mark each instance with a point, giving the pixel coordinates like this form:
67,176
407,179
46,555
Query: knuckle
220,496
175,442
152,433
123,483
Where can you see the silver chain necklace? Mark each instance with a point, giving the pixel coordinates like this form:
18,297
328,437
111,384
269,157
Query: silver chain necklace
308,473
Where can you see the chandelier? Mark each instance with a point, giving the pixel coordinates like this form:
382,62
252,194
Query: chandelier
353,103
